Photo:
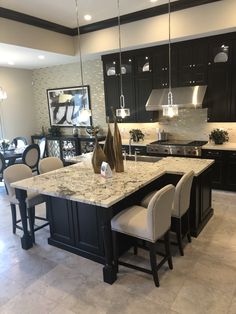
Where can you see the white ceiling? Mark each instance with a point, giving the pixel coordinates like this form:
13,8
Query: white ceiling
63,11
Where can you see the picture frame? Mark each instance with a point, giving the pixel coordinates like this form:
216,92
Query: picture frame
64,105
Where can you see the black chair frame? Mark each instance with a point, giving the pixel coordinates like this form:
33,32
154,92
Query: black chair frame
28,148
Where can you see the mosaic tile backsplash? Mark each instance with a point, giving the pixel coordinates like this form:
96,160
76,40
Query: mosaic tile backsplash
190,124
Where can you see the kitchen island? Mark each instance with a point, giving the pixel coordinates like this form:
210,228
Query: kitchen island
81,204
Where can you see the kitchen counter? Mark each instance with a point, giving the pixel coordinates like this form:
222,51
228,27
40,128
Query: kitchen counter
225,146
81,204
79,183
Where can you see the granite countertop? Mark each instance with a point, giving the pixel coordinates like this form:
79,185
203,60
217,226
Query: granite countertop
79,183
140,143
225,146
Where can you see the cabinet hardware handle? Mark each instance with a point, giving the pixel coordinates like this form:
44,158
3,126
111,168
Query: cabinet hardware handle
194,65
209,63
190,65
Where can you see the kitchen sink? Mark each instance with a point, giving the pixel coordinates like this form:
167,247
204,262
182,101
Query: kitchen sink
143,158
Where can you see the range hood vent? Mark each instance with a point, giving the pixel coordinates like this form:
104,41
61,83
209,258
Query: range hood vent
190,97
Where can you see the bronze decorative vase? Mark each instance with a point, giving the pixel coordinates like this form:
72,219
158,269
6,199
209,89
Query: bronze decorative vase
109,149
98,157
117,145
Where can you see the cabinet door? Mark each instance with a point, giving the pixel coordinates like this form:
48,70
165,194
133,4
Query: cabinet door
217,168
231,171
193,63
233,100
143,88
218,95
112,95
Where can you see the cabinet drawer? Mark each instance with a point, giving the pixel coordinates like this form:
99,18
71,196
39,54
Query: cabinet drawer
212,154
231,155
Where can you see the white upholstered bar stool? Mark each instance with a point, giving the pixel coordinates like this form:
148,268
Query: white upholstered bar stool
180,208
15,173
49,164
149,224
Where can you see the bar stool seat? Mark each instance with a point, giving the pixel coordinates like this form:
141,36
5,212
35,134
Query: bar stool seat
148,224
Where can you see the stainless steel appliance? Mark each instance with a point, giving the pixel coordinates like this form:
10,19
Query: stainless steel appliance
176,148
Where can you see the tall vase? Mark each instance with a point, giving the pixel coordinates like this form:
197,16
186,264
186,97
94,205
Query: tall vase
98,157
117,145
109,149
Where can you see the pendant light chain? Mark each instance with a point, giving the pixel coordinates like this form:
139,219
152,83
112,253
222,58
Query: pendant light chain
122,98
79,44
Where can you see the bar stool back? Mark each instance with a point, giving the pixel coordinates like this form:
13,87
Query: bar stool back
49,164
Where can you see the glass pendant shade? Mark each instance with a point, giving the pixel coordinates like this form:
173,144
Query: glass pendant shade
170,110
123,112
3,94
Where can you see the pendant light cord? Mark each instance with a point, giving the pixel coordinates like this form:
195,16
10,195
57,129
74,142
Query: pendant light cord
79,44
170,96
122,98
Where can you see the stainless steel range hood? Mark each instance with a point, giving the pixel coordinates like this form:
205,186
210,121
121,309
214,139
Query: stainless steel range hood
185,97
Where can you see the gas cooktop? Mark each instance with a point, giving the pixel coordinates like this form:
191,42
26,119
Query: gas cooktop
176,147
179,143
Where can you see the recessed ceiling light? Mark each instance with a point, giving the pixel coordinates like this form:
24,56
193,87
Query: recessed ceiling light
41,57
87,17
10,62
153,0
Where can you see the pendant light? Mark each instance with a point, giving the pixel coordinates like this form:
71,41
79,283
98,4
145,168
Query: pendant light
170,110
122,112
84,113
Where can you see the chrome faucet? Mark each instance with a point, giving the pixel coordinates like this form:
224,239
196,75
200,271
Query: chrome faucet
130,152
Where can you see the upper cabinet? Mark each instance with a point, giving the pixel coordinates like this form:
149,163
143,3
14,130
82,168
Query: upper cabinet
219,86
161,66
207,61
192,67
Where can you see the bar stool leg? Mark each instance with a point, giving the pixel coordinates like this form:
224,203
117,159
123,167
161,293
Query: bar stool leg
153,263
167,248
31,214
13,214
179,238
188,234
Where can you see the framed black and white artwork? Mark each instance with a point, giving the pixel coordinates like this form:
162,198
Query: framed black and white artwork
65,104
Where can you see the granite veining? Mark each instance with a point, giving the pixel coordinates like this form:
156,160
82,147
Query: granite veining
79,183
225,146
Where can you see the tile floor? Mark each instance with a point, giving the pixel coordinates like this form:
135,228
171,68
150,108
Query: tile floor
48,280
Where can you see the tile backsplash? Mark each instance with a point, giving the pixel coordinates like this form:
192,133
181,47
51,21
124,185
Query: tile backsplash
190,124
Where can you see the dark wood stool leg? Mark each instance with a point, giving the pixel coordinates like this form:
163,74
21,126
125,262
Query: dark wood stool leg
115,250
179,238
188,233
135,248
168,250
13,214
153,263
31,214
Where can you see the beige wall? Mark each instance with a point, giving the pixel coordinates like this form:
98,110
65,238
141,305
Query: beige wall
68,76
199,21
17,110
19,34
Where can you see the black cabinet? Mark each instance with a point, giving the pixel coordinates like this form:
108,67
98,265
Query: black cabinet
224,168
161,66
192,66
218,95
205,61
140,150
112,84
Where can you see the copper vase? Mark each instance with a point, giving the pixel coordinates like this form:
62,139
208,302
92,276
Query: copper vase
98,157
109,149
117,145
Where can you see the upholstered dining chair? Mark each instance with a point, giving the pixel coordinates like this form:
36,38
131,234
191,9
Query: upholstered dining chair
180,208
19,141
15,173
49,164
31,156
2,165
149,224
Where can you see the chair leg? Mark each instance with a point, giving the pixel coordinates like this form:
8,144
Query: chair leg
179,238
13,214
167,248
115,250
188,233
31,214
153,263
135,248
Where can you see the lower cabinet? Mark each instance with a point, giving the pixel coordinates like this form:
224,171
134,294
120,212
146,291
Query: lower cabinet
224,168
